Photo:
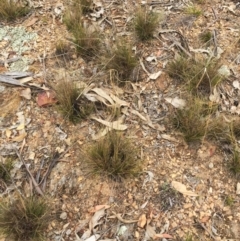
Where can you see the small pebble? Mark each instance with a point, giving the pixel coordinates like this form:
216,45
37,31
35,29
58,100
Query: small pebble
63,215
210,165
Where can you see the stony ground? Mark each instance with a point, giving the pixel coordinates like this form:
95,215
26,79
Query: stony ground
135,209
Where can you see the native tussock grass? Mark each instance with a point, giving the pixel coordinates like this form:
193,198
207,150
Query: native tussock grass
72,104
87,39
24,219
199,76
122,60
114,156
146,23
10,10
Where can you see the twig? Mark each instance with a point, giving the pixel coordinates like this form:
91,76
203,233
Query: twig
38,189
215,42
206,229
118,216
53,163
8,61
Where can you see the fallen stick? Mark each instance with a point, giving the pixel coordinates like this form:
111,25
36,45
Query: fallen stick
38,189
118,216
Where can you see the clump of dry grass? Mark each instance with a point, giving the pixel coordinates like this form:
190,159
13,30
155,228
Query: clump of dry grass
220,131
86,5
192,121
200,76
61,48
206,37
87,40
5,169
193,10
114,156
24,219
123,61
235,162
145,24
10,10
72,104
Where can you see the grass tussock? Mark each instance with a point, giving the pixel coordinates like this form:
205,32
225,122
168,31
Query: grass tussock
206,37
235,162
145,24
229,201
72,104
220,131
86,39
5,169
192,121
61,48
10,10
200,76
86,5
114,156
193,10
24,219
123,61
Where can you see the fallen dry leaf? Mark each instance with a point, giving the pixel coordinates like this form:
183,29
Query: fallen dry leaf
142,221
150,232
155,75
116,125
176,102
46,98
205,219
26,93
31,22
20,137
162,235
103,94
98,207
182,189
95,220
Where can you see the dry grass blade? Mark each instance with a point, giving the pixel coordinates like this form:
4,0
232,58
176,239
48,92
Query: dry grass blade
10,10
24,219
114,156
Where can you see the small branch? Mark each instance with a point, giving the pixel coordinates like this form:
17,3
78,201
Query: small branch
38,189
118,216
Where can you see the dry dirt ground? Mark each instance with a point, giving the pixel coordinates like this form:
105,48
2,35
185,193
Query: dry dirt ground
39,133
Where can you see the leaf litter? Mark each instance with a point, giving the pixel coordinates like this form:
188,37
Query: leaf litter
145,109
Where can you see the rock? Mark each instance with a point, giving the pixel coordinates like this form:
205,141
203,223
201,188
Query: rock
63,215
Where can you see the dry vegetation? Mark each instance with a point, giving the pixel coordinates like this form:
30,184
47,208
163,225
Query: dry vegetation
24,219
115,155
10,10
72,104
